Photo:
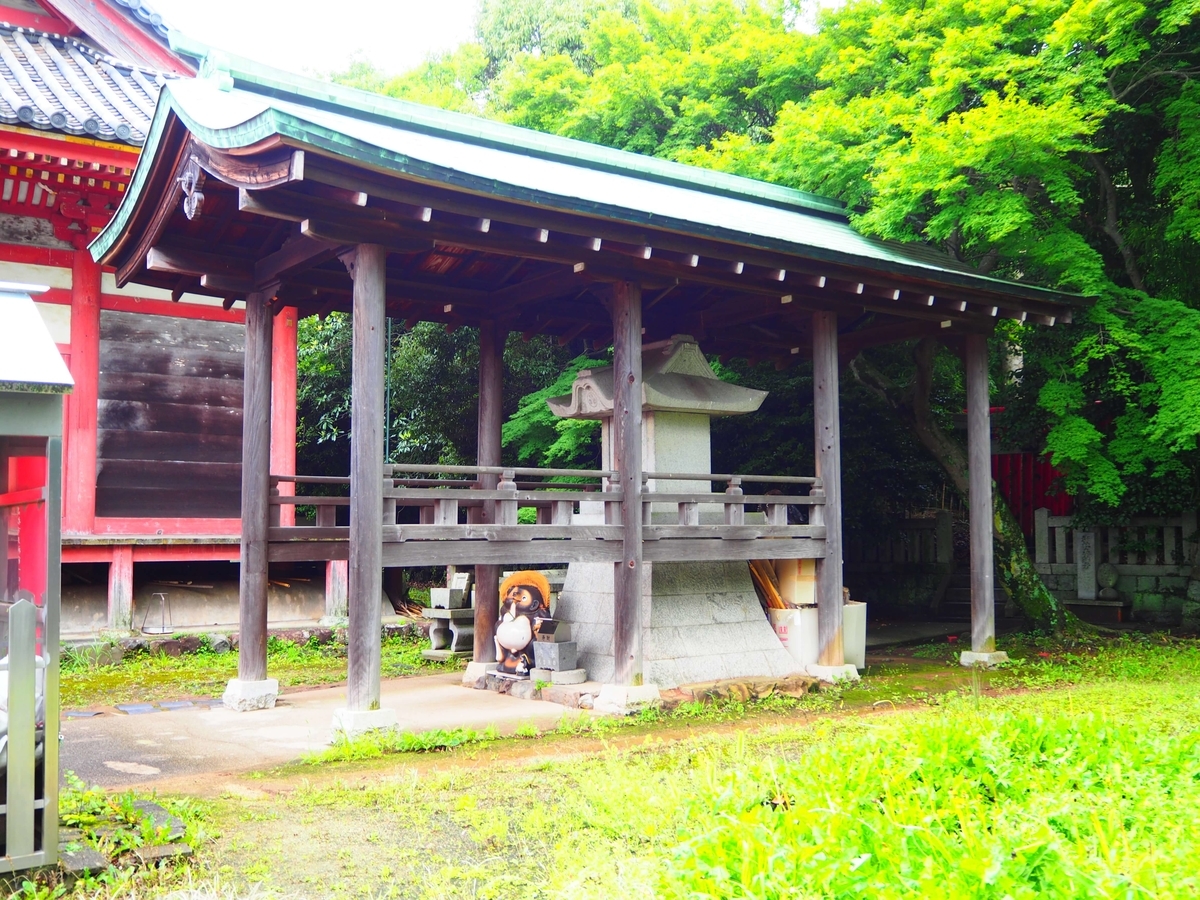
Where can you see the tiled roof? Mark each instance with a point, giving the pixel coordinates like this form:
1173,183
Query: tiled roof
60,84
147,16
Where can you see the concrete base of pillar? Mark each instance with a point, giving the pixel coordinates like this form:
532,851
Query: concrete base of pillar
334,621
622,699
832,674
353,722
477,670
971,659
244,696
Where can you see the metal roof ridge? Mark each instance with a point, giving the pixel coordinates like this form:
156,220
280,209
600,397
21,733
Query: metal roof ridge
277,84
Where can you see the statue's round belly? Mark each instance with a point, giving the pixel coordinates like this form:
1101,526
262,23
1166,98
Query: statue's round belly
514,634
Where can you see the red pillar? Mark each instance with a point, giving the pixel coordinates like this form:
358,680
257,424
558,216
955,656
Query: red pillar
30,472
79,470
283,405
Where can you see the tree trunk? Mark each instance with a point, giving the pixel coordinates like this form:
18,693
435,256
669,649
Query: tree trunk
1017,574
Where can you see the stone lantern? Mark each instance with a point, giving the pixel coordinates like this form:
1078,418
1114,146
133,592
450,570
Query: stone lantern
701,620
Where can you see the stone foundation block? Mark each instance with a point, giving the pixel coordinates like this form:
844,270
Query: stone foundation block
244,696
476,671
353,722
970,658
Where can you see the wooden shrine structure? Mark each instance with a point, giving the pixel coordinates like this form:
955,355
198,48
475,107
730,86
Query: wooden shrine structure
288,193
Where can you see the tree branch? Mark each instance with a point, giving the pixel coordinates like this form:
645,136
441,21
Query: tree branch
1110,226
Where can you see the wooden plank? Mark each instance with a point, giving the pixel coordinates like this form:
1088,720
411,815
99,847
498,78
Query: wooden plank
170,331
150,388
722,498
256,492
309,551
136,415
826,423
197,362
126,502
734,532
294,257
366,487
180,261
167,475
979,462
506,554
169,445
627,450
483,532
488,433
703,551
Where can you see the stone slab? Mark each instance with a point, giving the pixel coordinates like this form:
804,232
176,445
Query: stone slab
245,696
160,818
353,722
84,861
569,676
536,675
137,709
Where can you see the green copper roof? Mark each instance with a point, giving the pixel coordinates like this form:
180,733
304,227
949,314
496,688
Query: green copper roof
239,103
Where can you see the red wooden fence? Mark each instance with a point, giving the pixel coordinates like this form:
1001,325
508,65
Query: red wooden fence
1028,481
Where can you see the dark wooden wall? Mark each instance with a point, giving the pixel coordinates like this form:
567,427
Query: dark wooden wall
170,417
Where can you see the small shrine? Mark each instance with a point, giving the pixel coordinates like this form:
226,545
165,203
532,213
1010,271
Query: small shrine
701,620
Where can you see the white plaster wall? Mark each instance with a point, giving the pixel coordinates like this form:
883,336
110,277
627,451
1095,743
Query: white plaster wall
57,317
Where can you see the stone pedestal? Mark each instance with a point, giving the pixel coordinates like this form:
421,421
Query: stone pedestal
244,696
451,633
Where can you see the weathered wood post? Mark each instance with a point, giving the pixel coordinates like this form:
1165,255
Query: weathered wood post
368,267
627,452
826,422
979,488
491,396
252,689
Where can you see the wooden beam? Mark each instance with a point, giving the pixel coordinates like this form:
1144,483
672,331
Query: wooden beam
267,169
827,424
256,491
366,477
295,256
627,448
291,206
491,418
979,469
192,262
532,290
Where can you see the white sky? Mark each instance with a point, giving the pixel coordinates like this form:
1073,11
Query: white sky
308,37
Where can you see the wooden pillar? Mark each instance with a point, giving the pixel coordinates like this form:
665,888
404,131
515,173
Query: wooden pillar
283,405
79,494
979,464
256,491
827,424
120,589
627,453
336,589
491,396
366,478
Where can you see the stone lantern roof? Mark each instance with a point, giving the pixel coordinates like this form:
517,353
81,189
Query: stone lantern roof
675,378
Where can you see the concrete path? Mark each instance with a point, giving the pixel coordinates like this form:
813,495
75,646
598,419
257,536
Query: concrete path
118,749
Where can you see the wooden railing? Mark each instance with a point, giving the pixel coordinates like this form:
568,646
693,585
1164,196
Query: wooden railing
444,495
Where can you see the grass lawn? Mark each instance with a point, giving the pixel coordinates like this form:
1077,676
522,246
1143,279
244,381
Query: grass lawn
1072,774
149,677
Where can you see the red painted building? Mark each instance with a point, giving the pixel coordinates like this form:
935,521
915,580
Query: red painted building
152,430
